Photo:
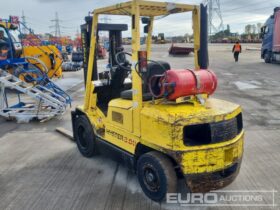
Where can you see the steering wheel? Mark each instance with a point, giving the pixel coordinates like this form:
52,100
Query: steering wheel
121,61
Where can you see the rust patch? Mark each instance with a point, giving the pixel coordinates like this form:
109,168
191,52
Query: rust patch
202,183
176,155
100,131
205,182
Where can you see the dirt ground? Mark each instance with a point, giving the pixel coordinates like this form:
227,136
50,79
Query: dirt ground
40,169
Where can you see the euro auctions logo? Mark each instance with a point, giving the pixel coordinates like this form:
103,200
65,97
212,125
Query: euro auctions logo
244,198
192,198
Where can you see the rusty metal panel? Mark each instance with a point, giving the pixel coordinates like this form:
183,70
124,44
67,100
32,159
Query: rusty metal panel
212,159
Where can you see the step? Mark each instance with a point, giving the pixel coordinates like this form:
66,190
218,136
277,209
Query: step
17,83
52,104
7,77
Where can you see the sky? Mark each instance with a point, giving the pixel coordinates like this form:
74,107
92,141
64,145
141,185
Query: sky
39,13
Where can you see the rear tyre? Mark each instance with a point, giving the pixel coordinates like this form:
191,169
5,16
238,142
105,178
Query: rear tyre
267,57
84,136
156,175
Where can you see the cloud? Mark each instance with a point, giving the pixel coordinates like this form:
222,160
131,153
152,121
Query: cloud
38,13
55,1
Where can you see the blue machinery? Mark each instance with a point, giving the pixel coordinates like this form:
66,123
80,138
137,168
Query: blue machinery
33,75
45,99
27,101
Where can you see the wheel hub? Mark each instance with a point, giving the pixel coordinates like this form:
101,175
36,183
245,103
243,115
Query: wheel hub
151,179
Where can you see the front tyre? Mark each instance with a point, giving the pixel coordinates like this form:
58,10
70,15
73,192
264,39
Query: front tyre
84,136
156,175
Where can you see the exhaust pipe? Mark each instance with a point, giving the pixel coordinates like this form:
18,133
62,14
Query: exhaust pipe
203,58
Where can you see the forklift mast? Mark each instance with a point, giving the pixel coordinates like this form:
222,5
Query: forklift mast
115,40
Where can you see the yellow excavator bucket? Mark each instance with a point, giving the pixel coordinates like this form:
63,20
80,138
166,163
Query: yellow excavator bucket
49,55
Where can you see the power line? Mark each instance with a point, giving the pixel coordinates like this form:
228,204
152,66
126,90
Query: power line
23,19
263,9
105,19
56,25
215,19
257,3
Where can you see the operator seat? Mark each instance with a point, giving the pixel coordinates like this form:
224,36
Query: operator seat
153,69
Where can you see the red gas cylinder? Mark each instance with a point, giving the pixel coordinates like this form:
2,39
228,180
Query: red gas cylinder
180,83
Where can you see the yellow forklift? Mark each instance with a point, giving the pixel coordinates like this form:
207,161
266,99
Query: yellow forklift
162,123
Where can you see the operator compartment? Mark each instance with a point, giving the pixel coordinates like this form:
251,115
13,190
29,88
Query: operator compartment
110,82
153,69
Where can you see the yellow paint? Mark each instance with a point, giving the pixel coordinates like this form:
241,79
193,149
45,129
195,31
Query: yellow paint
5,24
43,53
157,124
123,109
121,138
147,8
89,83
136,80
214,158
169,120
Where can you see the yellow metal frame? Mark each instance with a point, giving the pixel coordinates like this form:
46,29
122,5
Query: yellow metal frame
137,9
156,125
146,8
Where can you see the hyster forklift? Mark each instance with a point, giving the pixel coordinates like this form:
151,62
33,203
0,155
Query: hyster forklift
162,123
